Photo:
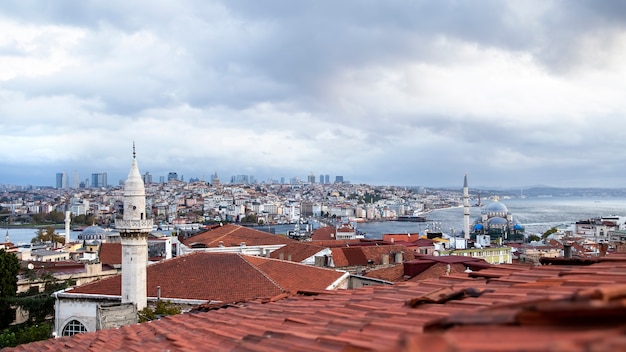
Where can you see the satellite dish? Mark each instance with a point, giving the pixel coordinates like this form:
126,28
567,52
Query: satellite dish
31,266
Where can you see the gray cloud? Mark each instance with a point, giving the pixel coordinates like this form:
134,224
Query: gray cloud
412,92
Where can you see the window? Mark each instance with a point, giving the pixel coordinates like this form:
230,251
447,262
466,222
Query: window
73,327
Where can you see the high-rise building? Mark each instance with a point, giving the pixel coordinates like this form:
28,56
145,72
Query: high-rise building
147,178
326,179
338,179
240,179
59,180
172,176
75,180
311,178
321,179
99,180
161,179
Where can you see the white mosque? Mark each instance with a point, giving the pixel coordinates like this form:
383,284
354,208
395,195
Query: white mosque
495,220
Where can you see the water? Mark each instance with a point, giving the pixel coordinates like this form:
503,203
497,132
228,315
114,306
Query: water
24,235
537,215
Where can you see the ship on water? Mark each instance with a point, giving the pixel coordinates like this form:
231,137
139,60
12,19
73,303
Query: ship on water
411,218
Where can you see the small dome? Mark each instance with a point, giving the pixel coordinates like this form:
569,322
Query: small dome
497,221
496,207
93,230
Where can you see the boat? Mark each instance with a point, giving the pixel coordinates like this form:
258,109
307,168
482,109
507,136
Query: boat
411,218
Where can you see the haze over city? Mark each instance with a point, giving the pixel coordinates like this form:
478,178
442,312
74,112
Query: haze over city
513,93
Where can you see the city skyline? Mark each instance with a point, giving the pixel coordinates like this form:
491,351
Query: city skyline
405,93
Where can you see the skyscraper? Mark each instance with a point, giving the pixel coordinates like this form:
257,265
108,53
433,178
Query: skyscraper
99,180
147,178
172,176
59,180
75,180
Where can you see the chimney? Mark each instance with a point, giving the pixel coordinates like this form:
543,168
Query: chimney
385,259
567,250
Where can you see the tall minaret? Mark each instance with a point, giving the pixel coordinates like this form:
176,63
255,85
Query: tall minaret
466,209
67,227
134,228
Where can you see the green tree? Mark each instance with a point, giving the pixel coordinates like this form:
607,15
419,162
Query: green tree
161,309
47,235
533,238
55,217
549,232
9,267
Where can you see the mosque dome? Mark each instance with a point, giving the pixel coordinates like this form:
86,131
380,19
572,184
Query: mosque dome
496,207
497,221
93,232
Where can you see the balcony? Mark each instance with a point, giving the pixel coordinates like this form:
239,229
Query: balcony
138,225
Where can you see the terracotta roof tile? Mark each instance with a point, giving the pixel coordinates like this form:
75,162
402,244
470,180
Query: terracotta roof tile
376,318
298,251
110,253
232,236
244,278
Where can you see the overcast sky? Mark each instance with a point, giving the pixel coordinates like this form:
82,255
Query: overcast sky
513,93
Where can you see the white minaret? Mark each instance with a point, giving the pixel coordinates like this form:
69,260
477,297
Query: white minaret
67,227
134,228
466,209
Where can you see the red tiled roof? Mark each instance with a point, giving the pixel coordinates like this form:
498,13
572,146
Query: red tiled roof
226,277
233,235
299,251
336,243
565,308
110,253
324,233
371,253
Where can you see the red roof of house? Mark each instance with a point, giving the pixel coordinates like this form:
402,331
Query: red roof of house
367,254
234,235
504,308
226,277
298,251
110,253
324,233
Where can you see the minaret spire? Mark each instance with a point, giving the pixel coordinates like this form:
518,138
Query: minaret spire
134,228
466,209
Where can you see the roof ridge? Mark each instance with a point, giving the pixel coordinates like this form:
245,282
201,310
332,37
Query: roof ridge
261,271
224,235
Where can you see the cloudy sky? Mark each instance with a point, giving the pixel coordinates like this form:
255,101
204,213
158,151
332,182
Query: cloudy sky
513,93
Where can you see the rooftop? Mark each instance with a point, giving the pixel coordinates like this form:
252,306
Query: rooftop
503,308
225,277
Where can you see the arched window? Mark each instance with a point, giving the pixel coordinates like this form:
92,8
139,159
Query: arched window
74,327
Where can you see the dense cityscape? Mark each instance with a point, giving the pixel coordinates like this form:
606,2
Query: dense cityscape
345,176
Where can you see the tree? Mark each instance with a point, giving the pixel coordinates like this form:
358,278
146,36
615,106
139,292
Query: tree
549,232
9,268
47,235
532,238
161,309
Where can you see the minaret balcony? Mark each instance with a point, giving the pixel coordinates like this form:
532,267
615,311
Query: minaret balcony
145,224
